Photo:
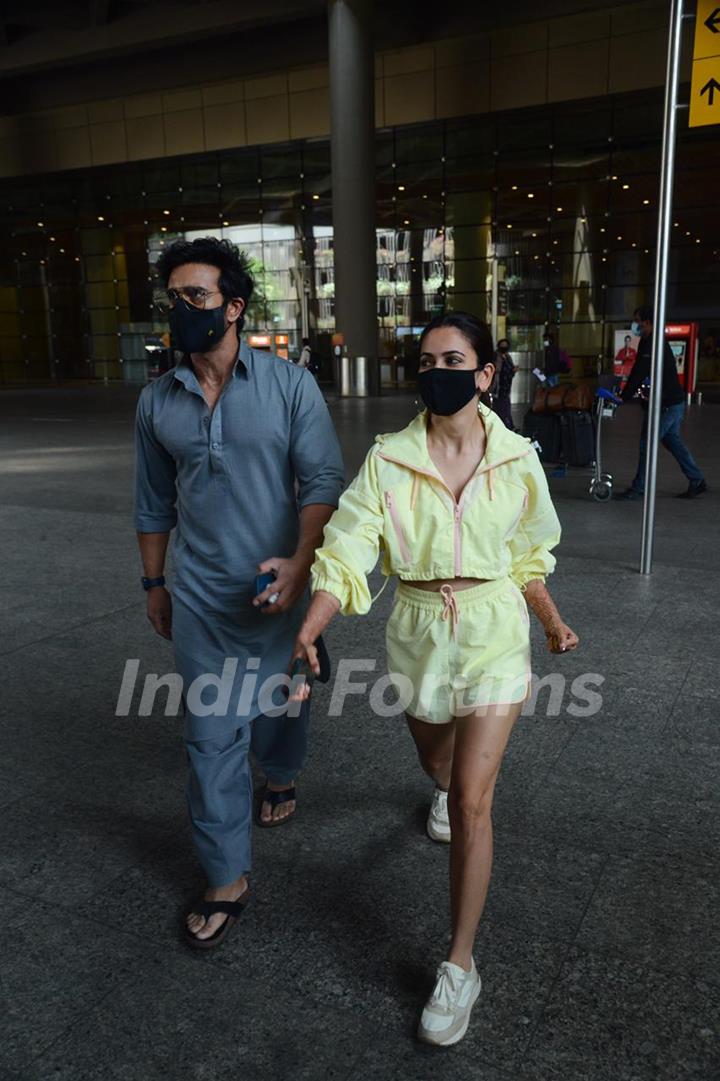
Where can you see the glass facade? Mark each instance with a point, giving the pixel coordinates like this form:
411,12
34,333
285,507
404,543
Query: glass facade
538,217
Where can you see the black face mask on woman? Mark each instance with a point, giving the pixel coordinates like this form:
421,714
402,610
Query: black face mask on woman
446,390
196,330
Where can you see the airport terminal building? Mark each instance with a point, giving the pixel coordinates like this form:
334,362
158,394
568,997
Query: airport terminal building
516,172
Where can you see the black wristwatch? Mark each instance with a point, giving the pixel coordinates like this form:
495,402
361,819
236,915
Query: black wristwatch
149,583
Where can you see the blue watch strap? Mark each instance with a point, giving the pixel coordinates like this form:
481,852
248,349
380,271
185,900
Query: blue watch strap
149,583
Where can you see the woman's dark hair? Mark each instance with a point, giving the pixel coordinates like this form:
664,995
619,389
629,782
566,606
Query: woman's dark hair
235,281
644,313
475,331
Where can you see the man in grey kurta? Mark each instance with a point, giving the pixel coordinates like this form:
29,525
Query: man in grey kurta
231,482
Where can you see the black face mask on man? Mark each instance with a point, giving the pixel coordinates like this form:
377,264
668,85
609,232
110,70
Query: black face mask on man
446,390
196,330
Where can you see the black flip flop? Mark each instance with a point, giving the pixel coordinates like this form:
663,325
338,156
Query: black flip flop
233,911
275,799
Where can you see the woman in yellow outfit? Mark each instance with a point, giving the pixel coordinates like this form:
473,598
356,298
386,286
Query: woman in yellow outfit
460,508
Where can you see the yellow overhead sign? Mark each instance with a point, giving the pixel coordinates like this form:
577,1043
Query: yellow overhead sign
705,88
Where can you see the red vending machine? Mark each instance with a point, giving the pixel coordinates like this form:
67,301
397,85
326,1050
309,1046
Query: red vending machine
683,339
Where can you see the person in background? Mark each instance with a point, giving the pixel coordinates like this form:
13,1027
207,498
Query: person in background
305,354
671,413
505,370
552,360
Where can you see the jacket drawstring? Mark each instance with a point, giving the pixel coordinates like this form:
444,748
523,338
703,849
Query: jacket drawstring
450,608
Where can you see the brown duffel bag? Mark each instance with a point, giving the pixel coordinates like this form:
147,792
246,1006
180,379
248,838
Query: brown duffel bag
581,397
555,399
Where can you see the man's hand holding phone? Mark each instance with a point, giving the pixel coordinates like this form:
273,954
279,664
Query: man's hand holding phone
285,588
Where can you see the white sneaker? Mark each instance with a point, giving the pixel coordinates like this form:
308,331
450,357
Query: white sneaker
446,1015
438,821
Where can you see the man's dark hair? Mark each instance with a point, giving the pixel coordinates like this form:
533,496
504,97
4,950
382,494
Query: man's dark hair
234,265
644,313
501,340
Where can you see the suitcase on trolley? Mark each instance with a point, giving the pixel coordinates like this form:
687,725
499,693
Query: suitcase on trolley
577,437
544,428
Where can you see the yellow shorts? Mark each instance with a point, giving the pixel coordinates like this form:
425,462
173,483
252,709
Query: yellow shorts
452,652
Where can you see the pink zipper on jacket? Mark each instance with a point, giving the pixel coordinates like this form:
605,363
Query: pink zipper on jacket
395,517
457,513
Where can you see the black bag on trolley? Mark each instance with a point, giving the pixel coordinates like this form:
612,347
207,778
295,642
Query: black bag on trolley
544,429
577,437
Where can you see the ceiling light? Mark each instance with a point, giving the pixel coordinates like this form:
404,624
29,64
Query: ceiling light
406,221
602,228
531,195
509,226
166,211
226,223
625,187
401,187
613,178
163,229
316,196
559,209
688,233
619,238
514,188
41,224
100,217
646,202
698,240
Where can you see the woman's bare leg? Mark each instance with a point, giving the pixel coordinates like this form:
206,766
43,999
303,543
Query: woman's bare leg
434,743
480,741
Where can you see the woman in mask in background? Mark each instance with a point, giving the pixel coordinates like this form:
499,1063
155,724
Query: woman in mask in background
460,508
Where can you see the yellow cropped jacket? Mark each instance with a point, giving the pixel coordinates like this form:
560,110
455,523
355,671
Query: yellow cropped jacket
503,524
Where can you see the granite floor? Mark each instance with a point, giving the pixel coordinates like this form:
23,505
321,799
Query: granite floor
599,947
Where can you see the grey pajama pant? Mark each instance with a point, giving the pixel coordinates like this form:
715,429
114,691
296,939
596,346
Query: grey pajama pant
219,788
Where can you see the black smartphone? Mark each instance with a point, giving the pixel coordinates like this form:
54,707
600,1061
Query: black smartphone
323,659
302,668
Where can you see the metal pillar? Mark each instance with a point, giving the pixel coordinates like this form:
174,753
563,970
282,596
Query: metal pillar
667,174
352,140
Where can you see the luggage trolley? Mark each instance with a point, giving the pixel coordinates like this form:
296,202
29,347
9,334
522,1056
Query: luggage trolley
606,402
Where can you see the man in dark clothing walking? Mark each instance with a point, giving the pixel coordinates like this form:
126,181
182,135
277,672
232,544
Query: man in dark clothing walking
504,375
671,414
